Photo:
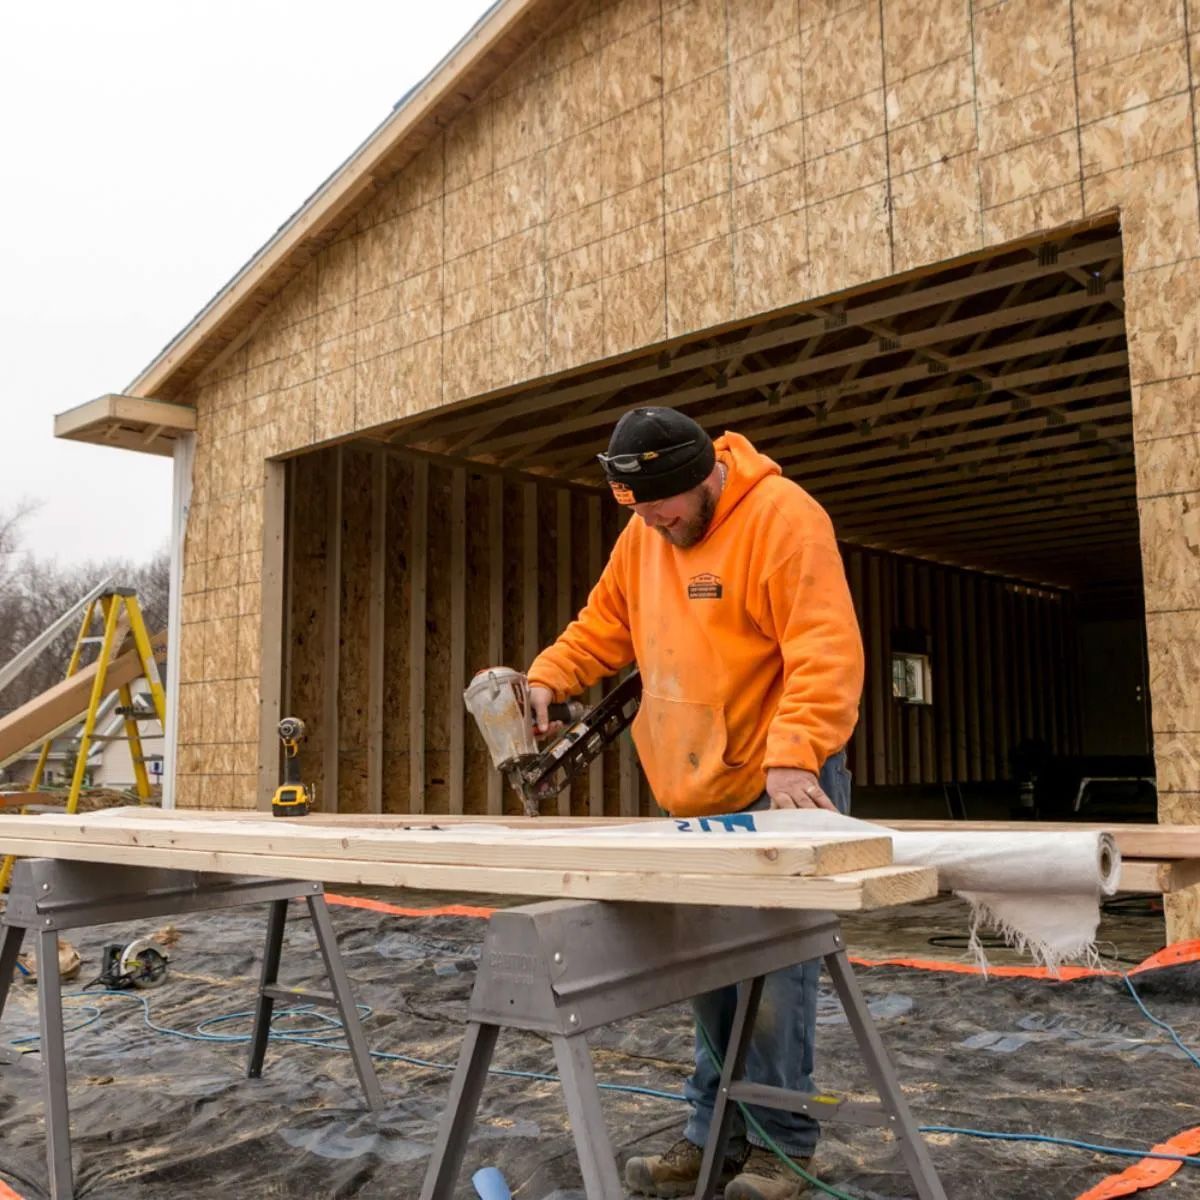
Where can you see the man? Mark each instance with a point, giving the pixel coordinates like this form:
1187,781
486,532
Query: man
728,589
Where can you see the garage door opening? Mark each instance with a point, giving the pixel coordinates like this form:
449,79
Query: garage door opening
968,427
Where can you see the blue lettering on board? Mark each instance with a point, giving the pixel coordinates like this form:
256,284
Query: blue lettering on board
729,823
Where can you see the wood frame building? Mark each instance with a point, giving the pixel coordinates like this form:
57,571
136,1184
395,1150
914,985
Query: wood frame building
939,259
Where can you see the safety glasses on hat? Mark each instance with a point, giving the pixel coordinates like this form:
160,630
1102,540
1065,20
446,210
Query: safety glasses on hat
629,463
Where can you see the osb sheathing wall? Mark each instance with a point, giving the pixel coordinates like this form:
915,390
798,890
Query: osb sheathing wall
653,168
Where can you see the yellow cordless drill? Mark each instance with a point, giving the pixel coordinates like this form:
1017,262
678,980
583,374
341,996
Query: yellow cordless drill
292,798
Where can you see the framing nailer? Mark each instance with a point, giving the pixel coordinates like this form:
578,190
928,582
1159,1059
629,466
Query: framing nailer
498,699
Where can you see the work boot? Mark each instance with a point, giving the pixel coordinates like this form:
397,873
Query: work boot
766,1177
674,1173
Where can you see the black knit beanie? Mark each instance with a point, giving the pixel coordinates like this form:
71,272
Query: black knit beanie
668,453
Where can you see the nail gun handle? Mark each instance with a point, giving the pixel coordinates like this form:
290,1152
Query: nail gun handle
565,712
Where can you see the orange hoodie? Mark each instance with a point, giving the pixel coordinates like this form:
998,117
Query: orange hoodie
747,642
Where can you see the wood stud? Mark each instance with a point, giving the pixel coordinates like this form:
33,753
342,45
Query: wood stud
495,612
458,635
273,621
327,794
563,592
595,565
376,602
418,579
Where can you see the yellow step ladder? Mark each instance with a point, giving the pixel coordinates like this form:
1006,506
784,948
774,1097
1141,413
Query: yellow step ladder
120,618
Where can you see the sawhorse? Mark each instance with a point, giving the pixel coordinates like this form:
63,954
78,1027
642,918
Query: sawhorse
564,967
50,895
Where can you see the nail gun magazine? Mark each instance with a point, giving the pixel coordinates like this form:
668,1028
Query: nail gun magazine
498,699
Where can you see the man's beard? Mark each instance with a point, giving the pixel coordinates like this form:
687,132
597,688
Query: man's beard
688,533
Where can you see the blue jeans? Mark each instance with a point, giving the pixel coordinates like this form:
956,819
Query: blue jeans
781,1048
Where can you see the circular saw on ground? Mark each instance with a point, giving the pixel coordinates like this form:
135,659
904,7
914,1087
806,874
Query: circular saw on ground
140,964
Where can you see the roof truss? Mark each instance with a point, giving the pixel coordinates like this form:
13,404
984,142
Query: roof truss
978,413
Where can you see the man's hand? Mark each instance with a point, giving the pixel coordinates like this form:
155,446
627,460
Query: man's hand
540,699
789,787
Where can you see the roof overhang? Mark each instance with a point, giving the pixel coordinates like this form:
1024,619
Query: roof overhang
127,422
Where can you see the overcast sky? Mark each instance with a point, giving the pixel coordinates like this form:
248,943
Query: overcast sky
149,149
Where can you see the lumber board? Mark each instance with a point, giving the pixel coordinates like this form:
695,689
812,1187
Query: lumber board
562,589
862,732
879,677
495,612
272,629
1158,875
20,799
61,706
784,855
376,633
331,634
1182,911
595,694
1164,843
418,583
457,679
374,820
855,891
530,541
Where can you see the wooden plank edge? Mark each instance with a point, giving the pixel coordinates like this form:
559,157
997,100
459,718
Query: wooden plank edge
374,820
784,857
116,406
1158,875
850,892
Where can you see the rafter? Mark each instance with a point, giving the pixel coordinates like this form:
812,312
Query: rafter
903,497
1116,429
996,510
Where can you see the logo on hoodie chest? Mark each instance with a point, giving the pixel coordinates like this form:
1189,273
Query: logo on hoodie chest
705,587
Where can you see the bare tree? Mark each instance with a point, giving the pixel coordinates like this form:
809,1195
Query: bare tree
12,604
35,591
11,522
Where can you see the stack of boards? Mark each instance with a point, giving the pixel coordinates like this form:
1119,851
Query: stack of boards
544,857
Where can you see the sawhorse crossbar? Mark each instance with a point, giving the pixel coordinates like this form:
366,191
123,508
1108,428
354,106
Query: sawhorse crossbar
51,895
564,967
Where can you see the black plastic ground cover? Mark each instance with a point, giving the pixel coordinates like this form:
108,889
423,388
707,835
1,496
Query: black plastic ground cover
159,1116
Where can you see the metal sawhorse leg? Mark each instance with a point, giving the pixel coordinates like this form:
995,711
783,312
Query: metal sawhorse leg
51,895
564,967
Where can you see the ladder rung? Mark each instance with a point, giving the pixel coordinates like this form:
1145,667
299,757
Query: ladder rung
91,641
121,737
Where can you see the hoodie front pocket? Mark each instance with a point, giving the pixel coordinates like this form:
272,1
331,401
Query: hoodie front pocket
682,745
